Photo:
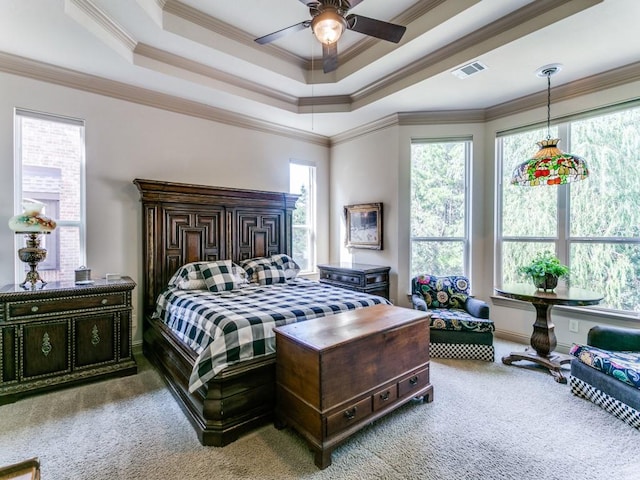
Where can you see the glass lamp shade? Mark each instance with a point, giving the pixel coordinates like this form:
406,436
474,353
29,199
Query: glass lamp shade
328,26
31,220
550,166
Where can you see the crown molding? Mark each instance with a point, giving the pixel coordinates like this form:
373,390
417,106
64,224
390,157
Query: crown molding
73,79
534,15
412,14
110,88
212,24
100,24
150,57
367,129
527,19
578,88
441,117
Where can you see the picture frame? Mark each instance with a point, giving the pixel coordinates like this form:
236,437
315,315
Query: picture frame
364,226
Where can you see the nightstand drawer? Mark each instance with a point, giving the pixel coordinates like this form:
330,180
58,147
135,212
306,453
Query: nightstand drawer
372,279
343,278
58,305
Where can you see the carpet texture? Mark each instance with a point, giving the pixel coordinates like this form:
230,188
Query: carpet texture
488,421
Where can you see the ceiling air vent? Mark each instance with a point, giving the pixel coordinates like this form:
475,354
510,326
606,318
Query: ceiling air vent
469,69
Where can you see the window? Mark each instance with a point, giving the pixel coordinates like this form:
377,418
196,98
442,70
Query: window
302,181
439,207
49,167
594,225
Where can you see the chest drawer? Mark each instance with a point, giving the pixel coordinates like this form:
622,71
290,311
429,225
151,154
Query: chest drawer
385,397
57,305
413,382
349,416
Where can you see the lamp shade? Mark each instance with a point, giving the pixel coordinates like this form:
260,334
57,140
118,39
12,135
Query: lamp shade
328,26
31,220
550,166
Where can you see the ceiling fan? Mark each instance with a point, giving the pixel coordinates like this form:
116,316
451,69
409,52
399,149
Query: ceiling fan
328,21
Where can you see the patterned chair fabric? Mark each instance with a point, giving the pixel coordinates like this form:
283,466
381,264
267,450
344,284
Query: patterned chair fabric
623,366
451,307
606,371
462,322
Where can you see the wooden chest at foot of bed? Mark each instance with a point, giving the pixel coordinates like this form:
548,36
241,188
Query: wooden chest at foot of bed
336,374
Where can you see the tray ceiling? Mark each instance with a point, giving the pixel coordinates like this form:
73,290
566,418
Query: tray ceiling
203,52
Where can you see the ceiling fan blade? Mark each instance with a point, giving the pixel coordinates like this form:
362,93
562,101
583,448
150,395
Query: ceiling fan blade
281,33
353,3
375,28
329,57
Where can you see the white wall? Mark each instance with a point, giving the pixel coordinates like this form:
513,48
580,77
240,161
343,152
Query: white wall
376,168
126,141
365,170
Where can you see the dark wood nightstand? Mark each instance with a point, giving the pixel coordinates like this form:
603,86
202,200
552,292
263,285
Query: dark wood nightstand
63,334
373,279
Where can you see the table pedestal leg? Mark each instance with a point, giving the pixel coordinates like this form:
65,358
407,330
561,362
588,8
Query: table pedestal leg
543,341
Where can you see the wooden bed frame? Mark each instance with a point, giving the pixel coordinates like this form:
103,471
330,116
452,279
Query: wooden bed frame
185,223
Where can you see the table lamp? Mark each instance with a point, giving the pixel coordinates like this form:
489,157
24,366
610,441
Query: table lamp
32,223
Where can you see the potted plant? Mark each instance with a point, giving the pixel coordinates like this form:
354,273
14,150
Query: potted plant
545,270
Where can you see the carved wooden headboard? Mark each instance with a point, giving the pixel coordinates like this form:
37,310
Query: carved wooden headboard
184,223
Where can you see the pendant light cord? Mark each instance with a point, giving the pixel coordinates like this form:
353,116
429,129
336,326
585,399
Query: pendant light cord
549,105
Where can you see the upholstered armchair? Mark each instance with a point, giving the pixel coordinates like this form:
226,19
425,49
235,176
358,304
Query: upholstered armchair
606,371
460,324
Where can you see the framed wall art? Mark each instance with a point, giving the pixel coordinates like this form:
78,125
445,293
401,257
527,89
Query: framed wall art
364,226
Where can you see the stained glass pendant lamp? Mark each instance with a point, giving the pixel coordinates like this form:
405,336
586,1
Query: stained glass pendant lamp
550,165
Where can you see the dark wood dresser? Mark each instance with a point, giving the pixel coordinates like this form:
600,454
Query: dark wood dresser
373,279
336,374
63,334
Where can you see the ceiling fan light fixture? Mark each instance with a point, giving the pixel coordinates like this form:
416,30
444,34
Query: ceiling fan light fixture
328,26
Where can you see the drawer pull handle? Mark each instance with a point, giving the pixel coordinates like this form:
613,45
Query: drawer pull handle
385,396
46,344
104,301
95,337
35,308
413,381
350,414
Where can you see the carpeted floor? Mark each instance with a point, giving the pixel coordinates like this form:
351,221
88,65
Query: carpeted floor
488,421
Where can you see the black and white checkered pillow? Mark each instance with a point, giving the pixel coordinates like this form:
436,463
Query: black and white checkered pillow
270,275
189,271
218,276
288,264
252,265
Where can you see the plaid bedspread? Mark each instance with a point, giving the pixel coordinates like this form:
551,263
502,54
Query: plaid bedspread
225,328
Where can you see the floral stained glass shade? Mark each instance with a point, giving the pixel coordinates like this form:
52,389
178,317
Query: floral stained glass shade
550,166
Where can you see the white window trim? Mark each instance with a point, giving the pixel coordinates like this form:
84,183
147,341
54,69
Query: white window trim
18,113
468,152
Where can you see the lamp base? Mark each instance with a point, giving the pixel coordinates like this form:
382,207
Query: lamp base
32,254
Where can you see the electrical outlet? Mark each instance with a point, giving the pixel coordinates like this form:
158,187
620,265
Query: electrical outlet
574,326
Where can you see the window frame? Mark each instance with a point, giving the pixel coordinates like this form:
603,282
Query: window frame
465,239
19,195
311,216
563,240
